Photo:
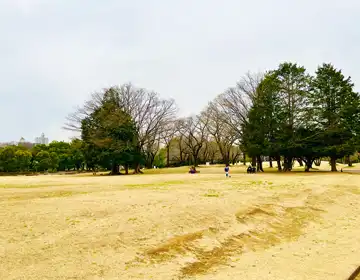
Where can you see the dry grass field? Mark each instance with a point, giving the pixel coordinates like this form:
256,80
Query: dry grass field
180,226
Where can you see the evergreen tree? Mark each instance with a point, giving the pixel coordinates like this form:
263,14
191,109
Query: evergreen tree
110,137
335,108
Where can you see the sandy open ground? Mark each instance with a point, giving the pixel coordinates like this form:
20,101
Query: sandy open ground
180,226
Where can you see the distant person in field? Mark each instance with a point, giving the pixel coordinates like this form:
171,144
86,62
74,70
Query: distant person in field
227,171
248,170
251,169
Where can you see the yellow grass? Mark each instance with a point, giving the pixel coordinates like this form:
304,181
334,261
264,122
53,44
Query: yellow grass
175,225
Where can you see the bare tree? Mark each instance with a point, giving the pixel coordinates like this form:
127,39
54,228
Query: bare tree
180,152
220,130
150,150
235,154
213,152
167,136
149,112
236,101
194,133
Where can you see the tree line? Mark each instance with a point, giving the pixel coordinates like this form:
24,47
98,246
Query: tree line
295,115
282,115
285,115
133,128
57,156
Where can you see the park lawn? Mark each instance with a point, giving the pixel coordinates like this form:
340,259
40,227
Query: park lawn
240,168
180,226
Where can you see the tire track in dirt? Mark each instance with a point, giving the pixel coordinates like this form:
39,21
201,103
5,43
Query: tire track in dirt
269,225
275,220
355,275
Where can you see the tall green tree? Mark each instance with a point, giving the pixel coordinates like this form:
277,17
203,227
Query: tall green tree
254,134
293,84
149,114
110,133
265,118
336,110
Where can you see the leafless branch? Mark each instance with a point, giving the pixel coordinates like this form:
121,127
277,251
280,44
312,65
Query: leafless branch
150,113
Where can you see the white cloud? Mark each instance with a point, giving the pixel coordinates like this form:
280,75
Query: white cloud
25,7
55,53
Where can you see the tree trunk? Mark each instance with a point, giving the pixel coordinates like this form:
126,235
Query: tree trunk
236,159
317,161
259,164
349,161
115,169
288,163
333,164
195,160
226,160
308,164
244,159
150,157
253,161
126,169
137,169
270,162
168,155
300,162
278,161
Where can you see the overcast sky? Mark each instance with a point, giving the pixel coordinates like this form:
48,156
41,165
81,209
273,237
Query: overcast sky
54,53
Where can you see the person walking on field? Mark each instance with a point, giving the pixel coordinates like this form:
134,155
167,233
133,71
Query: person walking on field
227,171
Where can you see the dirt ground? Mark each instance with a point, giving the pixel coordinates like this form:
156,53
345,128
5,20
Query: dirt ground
180,226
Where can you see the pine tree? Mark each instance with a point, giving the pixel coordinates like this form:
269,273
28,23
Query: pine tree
335,108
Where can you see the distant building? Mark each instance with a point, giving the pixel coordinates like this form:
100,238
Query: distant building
21,142
25,144
42,140
5,144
